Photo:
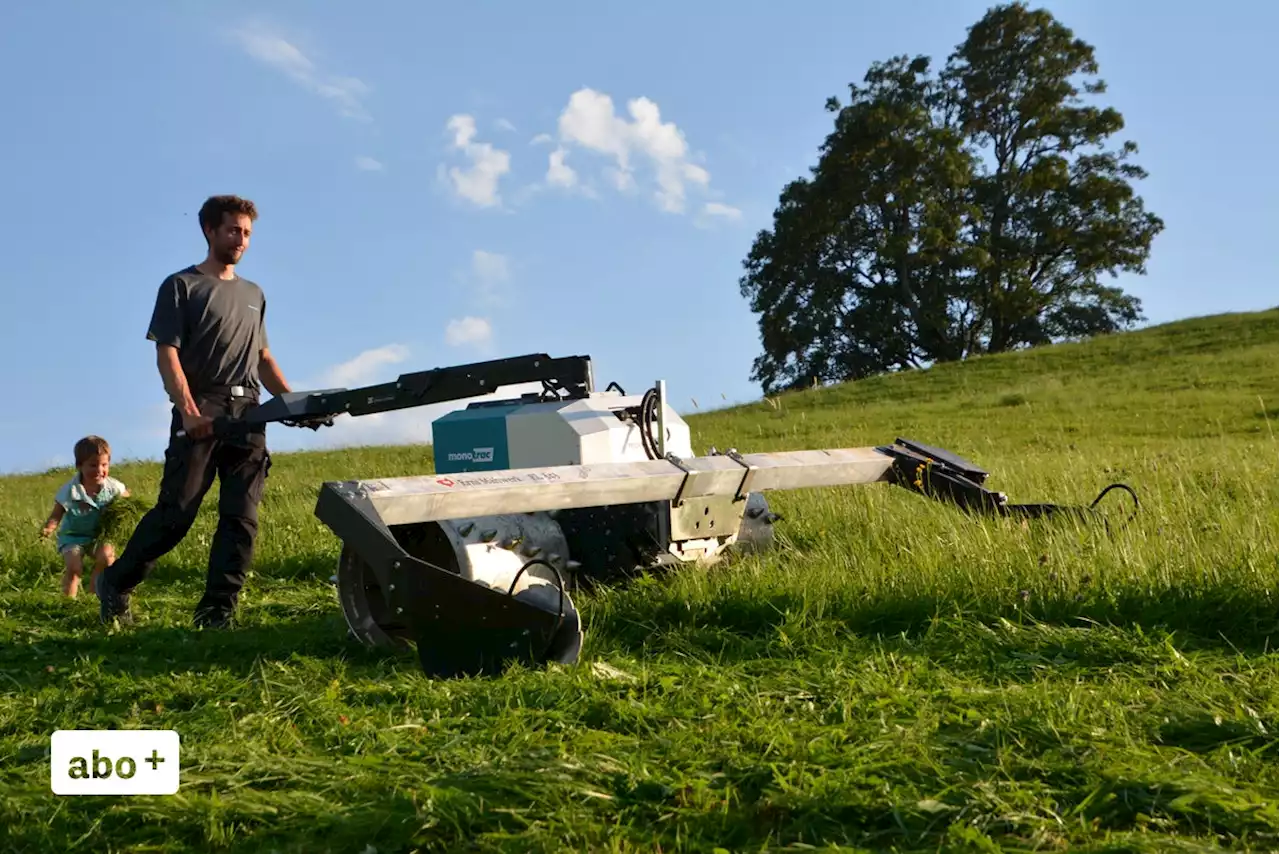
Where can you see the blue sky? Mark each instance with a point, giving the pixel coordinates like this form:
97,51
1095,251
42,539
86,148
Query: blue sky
401,156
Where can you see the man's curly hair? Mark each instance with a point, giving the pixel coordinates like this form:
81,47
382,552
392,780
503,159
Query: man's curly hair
216,207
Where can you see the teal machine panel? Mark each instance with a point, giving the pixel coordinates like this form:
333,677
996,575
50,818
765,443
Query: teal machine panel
472,439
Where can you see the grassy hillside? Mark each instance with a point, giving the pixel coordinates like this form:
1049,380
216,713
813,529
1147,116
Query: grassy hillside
894,677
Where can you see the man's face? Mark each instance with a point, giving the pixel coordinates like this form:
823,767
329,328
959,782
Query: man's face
229,240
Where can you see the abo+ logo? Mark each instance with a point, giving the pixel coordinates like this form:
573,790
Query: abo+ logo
114,762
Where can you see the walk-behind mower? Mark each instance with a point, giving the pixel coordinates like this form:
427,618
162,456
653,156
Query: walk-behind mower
535,497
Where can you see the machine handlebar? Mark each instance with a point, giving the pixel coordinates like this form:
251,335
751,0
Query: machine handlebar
569,376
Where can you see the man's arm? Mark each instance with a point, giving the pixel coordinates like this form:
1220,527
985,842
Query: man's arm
268,368
166,329
272,377
175,379
179,391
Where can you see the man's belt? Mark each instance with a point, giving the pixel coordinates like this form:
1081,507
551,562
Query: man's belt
230,391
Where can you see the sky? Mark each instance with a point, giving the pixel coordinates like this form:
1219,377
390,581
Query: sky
444,183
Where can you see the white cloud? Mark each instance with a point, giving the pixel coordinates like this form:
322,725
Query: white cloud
489,268
271,49
503,124
369,367
479,184
541,139
558,174
366,368
468,330
485,278
713,211
721,210
368,164
589,122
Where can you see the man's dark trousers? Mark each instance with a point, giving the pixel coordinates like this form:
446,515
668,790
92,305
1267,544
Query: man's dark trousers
240,460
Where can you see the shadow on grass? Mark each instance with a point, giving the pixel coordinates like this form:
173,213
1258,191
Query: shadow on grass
738,625
1270,415
302,567
143,651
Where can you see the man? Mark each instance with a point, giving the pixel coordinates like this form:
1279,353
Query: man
209,328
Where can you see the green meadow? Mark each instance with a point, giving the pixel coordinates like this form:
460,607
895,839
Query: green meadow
894,676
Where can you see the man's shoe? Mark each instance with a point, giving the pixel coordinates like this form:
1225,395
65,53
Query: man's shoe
113,605
212,618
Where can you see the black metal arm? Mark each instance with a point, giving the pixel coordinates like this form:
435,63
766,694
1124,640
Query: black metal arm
565,377
945,476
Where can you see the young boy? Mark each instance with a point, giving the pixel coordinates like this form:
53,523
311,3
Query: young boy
78,507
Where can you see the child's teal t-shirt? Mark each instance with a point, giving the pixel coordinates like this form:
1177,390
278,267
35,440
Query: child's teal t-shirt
80,521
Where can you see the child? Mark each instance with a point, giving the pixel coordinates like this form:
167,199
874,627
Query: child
78,507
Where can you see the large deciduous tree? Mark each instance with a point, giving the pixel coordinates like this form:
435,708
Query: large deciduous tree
972,211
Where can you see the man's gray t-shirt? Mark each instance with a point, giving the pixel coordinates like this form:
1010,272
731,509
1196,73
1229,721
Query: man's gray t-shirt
218,325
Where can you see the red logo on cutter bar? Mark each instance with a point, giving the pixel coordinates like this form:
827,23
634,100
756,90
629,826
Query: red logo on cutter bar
444,481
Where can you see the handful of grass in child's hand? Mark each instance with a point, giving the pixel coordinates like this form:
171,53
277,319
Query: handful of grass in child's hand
118,520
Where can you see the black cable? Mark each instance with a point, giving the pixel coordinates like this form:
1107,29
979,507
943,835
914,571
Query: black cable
559,586
1132,494
1122,486
648,416
559,582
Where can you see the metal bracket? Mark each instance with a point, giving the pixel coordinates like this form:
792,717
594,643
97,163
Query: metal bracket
698,482
744,487
678,498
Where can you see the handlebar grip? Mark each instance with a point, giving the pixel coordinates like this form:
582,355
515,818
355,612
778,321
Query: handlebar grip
221,426
224,425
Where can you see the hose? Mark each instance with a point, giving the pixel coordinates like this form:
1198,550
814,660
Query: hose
1132,494
647,423
537,561
1121,486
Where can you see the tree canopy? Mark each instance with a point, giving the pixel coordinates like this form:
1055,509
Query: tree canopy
970,211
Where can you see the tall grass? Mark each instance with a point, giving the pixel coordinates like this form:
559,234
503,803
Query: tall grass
894,676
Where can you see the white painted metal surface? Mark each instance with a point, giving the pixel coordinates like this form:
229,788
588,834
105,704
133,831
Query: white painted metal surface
405,500
585,431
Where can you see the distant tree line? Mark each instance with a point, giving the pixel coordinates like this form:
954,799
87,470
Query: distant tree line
970,211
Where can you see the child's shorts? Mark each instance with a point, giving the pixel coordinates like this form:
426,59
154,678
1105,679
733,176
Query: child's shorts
72,545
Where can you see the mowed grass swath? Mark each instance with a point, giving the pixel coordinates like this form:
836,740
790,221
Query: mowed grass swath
893,676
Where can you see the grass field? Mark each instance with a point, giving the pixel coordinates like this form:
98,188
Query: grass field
894,677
